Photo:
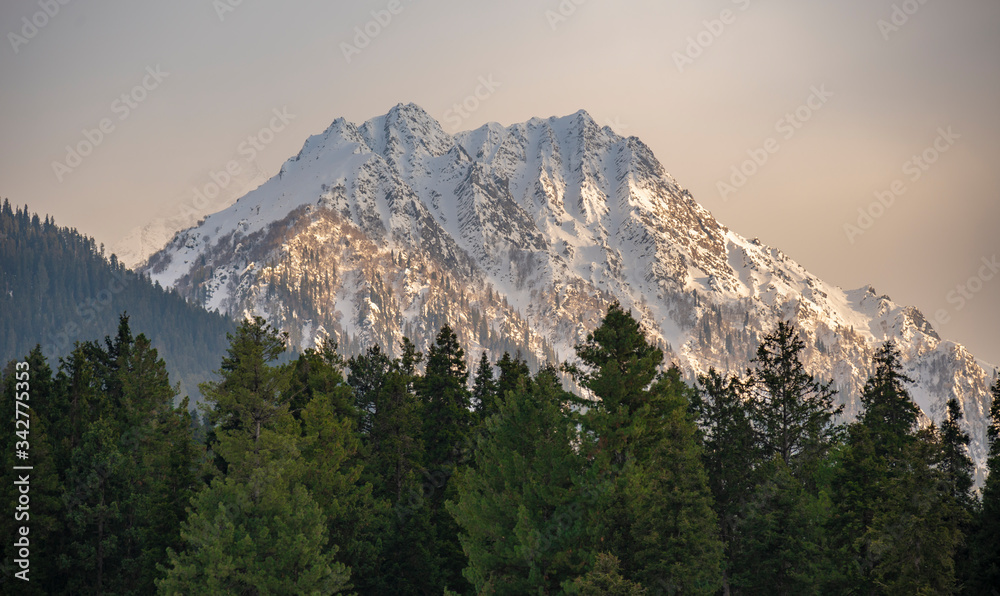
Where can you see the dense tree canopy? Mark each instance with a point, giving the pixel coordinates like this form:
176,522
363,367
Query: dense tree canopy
397,473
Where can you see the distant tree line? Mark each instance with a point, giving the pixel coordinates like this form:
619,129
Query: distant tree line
58,287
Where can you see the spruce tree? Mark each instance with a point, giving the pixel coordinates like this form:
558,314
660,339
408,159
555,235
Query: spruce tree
896,521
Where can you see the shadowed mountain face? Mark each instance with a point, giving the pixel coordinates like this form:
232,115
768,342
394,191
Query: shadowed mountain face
519,237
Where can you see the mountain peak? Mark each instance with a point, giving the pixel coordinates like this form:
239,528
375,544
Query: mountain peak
557,217
406,129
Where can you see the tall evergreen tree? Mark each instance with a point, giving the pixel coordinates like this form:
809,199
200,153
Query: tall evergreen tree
654,511
955,461
792,415
895,521
730,453
447,426
519,508
248,407
484,390
792,411
258,530
984,542
513,369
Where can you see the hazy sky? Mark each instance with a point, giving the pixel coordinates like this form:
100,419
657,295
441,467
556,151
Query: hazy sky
839,96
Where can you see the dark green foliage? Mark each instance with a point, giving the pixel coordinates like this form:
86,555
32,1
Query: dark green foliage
447,424
484,390
57,288
766,440
889,412
119,466
792,412
258,529
896,521
520,507
955,461
984,541
258,536
512,370
605,580
654,510
781,546
331,467
730,452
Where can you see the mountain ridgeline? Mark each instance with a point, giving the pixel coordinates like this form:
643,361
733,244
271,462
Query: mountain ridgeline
521,236
57,288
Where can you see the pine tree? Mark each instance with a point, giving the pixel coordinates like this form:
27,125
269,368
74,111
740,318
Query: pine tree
129,462
730,453
654,511
916,528
332,473
447,424
792,416
254,536
249,404
895,521
984,542
955,461
519,507
366,379
258,529
889,412
605,580
792,412
484,390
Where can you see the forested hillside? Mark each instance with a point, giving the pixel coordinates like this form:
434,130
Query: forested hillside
57,287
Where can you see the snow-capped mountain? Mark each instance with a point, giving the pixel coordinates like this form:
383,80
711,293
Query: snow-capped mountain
519,237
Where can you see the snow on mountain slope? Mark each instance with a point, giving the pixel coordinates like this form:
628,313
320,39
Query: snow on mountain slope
519,237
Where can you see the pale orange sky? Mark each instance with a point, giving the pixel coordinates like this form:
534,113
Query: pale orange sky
700,85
